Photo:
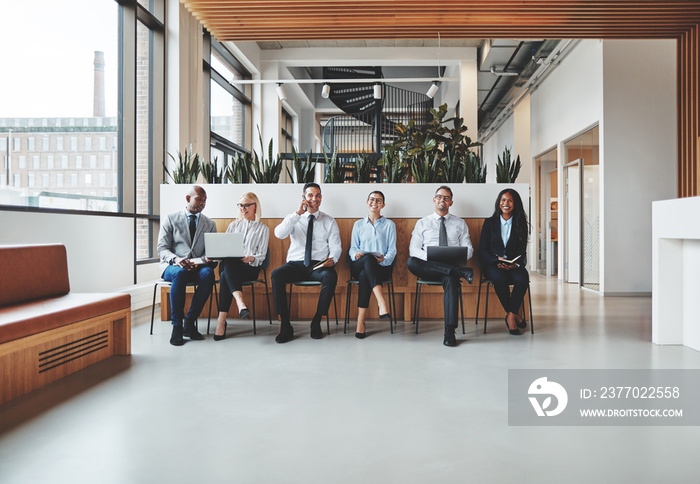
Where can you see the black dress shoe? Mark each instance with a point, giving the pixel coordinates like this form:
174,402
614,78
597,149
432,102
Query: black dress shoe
219,337
176,338
316,331
385,316
286,333
191,331
466,273
514,332
360,335
244,313
450,339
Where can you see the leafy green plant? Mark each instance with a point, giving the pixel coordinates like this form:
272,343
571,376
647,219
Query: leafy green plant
266,170
335,172
439,146
241,168
364,162
506,170
305,168
394,167
187,167
427,169
211,172
475,171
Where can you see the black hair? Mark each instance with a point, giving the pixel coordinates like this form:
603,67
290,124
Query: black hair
520,224
311,185
445,187
377,191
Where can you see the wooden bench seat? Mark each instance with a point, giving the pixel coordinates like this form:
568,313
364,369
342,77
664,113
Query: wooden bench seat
47,332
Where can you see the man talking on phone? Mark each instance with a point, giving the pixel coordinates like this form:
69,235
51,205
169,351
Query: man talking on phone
314,241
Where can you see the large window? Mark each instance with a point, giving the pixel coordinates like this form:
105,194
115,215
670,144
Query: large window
229,103
60,82
82,103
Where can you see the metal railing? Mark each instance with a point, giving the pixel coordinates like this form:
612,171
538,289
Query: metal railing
369,131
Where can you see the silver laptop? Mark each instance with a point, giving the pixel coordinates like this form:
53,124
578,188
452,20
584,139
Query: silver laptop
221,246
455,255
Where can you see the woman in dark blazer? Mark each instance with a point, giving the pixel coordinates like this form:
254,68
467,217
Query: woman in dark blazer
503,255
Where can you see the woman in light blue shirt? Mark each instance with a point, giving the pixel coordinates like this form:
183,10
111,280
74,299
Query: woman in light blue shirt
372,253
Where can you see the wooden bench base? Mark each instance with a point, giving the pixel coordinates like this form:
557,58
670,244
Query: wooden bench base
34,361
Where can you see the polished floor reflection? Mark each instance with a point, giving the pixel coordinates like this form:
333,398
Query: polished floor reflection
390,408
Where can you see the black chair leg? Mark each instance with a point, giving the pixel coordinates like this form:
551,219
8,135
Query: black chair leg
529,302
392,306
216,295
153,306
461,306
252,289
486,307
415,304
478,302
418,304
347,308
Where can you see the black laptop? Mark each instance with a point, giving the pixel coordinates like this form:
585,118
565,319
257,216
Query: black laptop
456,256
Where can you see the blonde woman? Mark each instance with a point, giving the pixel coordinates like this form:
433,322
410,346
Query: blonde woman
235,271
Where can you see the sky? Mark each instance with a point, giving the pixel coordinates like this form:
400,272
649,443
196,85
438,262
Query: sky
48,48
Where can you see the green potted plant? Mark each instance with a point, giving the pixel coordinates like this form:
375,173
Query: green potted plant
507,170
241,168
304,168
187,167
266,170
475,172
212,173
335,172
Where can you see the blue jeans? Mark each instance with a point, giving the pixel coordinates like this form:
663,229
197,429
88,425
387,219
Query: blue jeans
179,277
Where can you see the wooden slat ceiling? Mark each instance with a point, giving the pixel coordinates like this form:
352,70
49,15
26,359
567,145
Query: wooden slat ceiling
421,19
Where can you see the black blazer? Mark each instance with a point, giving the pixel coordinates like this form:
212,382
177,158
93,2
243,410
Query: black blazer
491,244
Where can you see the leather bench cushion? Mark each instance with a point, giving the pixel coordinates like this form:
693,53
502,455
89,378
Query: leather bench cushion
20,320
33,272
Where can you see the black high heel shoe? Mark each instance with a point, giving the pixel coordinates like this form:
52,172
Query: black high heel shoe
515,332
385,316
244,313
522,324
219,337
360,335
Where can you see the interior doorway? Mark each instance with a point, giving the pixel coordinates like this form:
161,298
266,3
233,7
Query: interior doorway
582,193
547,214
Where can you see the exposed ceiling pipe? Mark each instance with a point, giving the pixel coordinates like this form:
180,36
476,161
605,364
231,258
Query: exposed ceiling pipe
503,73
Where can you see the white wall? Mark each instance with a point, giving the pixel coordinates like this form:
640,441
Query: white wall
629,88
639,130
100,249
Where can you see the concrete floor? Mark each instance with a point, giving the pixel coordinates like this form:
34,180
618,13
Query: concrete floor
391,408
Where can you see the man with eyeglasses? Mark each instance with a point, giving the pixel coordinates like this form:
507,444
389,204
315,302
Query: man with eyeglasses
314,238
182,261
441,228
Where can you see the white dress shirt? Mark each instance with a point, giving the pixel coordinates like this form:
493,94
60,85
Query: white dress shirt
326,238
427,234
255,238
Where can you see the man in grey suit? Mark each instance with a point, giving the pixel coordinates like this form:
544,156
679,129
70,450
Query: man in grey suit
180,244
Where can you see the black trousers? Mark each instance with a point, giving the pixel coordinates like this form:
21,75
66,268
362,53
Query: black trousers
449,276
369,273
232,273
502,279
295,271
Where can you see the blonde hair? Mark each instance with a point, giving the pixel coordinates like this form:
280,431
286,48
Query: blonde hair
251,196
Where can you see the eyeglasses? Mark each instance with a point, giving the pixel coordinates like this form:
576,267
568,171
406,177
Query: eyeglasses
443,197
375,200
245,205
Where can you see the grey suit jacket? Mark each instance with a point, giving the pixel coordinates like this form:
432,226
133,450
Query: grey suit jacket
174,237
